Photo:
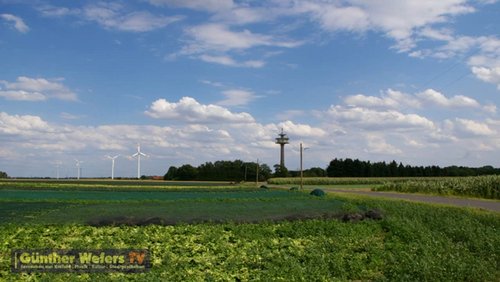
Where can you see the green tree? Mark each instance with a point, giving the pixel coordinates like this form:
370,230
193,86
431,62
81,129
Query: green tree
314,172
187,172
171,173
280,171
3,175
265,172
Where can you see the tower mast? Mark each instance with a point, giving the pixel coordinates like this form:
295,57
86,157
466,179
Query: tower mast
282,140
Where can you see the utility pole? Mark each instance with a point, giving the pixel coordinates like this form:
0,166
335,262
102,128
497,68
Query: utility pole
301,170
257,175
245,173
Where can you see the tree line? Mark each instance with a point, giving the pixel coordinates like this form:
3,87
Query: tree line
356,168
236,171
3,175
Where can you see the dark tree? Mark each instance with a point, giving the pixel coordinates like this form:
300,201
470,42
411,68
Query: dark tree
219,171
357,168
171,173
186,172
280,171
315,172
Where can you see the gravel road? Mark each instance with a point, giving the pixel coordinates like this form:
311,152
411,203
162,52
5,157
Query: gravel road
454,201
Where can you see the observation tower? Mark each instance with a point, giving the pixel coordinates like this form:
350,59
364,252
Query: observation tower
282,140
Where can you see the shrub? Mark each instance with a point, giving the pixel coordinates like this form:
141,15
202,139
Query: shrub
318,192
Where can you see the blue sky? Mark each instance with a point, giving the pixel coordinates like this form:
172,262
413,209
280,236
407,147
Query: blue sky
203,80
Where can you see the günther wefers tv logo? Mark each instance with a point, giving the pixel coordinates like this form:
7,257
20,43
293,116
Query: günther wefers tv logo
110,260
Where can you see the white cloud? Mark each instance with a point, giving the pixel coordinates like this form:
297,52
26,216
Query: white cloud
335,18
245,15
399,20
69,116
218,43
376,144
112,16
18,125
302,130
434,97
237,97
17,22
228,61
21,95
491,75
389,99
467,128
54,11
369,119
392,99
206,5
189,110
218,37
36,89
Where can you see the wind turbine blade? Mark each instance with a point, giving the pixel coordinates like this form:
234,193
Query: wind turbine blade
135,155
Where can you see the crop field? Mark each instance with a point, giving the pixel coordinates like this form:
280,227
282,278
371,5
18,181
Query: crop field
225,232
487,187
335,180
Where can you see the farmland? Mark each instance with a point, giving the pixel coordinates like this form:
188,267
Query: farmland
487,187
234,232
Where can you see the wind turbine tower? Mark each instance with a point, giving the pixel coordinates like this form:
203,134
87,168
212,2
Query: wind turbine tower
138,155
112,165
78,168
58,165
282,140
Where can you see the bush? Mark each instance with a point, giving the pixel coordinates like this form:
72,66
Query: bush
264,187
318,192
294,189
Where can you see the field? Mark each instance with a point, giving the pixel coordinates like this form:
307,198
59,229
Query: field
227,232
487,187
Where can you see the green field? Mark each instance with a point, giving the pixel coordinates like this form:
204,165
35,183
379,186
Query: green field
230,232
64,207
487,187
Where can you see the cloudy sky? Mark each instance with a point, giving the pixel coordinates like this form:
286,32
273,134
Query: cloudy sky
416,81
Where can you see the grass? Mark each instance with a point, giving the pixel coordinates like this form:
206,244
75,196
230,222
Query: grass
413,242
116,182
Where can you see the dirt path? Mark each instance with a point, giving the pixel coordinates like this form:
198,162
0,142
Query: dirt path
476,203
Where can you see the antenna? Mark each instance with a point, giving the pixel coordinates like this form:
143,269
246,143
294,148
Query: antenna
112,165
138,155
78,168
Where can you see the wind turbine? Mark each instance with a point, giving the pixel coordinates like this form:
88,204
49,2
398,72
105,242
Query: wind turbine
138,155
58,165
112,165
78,167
